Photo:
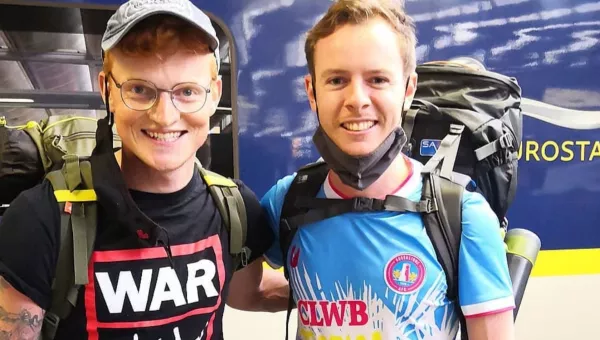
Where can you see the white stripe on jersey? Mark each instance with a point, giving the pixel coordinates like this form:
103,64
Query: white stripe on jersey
489,306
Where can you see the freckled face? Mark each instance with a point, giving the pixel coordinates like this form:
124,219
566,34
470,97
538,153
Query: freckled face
162,137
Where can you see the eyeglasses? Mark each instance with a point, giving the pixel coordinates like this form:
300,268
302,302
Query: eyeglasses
141,95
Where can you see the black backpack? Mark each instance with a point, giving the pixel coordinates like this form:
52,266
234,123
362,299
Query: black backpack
487,104
465,126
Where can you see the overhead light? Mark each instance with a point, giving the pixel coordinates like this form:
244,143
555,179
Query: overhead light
16,100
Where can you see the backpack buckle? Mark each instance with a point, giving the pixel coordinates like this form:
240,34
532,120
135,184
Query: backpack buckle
456,129
427,206
362,204
505,141
50,325
245,255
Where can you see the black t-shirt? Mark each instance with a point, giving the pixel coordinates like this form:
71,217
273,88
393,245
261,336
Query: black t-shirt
133,290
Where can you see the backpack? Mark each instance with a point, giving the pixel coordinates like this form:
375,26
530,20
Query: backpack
59,149
488,105
28,152
465,127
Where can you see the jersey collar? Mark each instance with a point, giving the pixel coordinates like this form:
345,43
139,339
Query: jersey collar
407,187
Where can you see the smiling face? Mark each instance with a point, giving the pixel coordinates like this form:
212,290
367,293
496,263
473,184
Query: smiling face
162,137
166,53
360,85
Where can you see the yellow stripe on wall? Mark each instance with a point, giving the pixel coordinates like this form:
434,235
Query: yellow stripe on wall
567,262
558,262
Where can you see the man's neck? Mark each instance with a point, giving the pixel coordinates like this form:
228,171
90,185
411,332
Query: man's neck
138,176
389,182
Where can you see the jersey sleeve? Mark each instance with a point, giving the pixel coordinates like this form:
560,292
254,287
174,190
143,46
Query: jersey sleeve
29,233
272,203
485,286
259,236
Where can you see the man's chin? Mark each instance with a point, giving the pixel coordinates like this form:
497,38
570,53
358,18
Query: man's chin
357,150
166,166
163,163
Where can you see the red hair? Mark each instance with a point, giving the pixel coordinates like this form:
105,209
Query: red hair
160,36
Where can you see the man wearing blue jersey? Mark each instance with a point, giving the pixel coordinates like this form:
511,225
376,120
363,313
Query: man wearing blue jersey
375,275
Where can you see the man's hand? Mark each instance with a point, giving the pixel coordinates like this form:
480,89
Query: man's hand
20,318
252,289
498,326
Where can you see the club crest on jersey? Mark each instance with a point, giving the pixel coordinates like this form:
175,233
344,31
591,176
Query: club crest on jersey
404,273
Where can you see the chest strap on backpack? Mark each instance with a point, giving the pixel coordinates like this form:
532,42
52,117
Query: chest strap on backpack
322,208
77,233
230,203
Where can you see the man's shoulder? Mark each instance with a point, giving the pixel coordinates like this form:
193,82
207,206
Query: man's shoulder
412,187
34,199
475,201
33,208
278,191
29,241
470,199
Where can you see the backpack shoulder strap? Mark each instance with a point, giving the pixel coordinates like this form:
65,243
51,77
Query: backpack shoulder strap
444,225
232,208
76,198
306,184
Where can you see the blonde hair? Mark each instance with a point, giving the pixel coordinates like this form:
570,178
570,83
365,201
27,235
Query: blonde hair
161,36
344,12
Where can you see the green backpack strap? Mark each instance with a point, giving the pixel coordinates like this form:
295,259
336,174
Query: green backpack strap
231,206
74,193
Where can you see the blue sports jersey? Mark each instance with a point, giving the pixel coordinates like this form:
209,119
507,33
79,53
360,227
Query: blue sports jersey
375,275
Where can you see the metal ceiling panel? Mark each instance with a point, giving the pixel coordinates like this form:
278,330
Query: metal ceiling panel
21,115
47,41
61,77
93,44
12,76
94,71
85,113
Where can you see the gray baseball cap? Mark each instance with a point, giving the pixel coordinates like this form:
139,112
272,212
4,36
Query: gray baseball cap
134,11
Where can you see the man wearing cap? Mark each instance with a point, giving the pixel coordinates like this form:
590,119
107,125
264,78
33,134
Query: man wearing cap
160,267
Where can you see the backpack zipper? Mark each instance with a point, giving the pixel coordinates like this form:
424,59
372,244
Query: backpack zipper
83,135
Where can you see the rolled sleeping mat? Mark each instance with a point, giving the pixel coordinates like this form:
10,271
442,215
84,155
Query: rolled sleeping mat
523,247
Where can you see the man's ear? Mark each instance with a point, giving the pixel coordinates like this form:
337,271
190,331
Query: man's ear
216,92
308,86
411,90
101,83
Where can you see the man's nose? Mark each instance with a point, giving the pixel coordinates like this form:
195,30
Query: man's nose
164,112
357,96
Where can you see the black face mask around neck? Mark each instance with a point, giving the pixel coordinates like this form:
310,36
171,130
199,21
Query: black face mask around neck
360,172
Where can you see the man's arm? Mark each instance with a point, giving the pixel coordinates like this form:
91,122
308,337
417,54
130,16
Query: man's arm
497,326
251,288
485,287
257,290
29,238
20,318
